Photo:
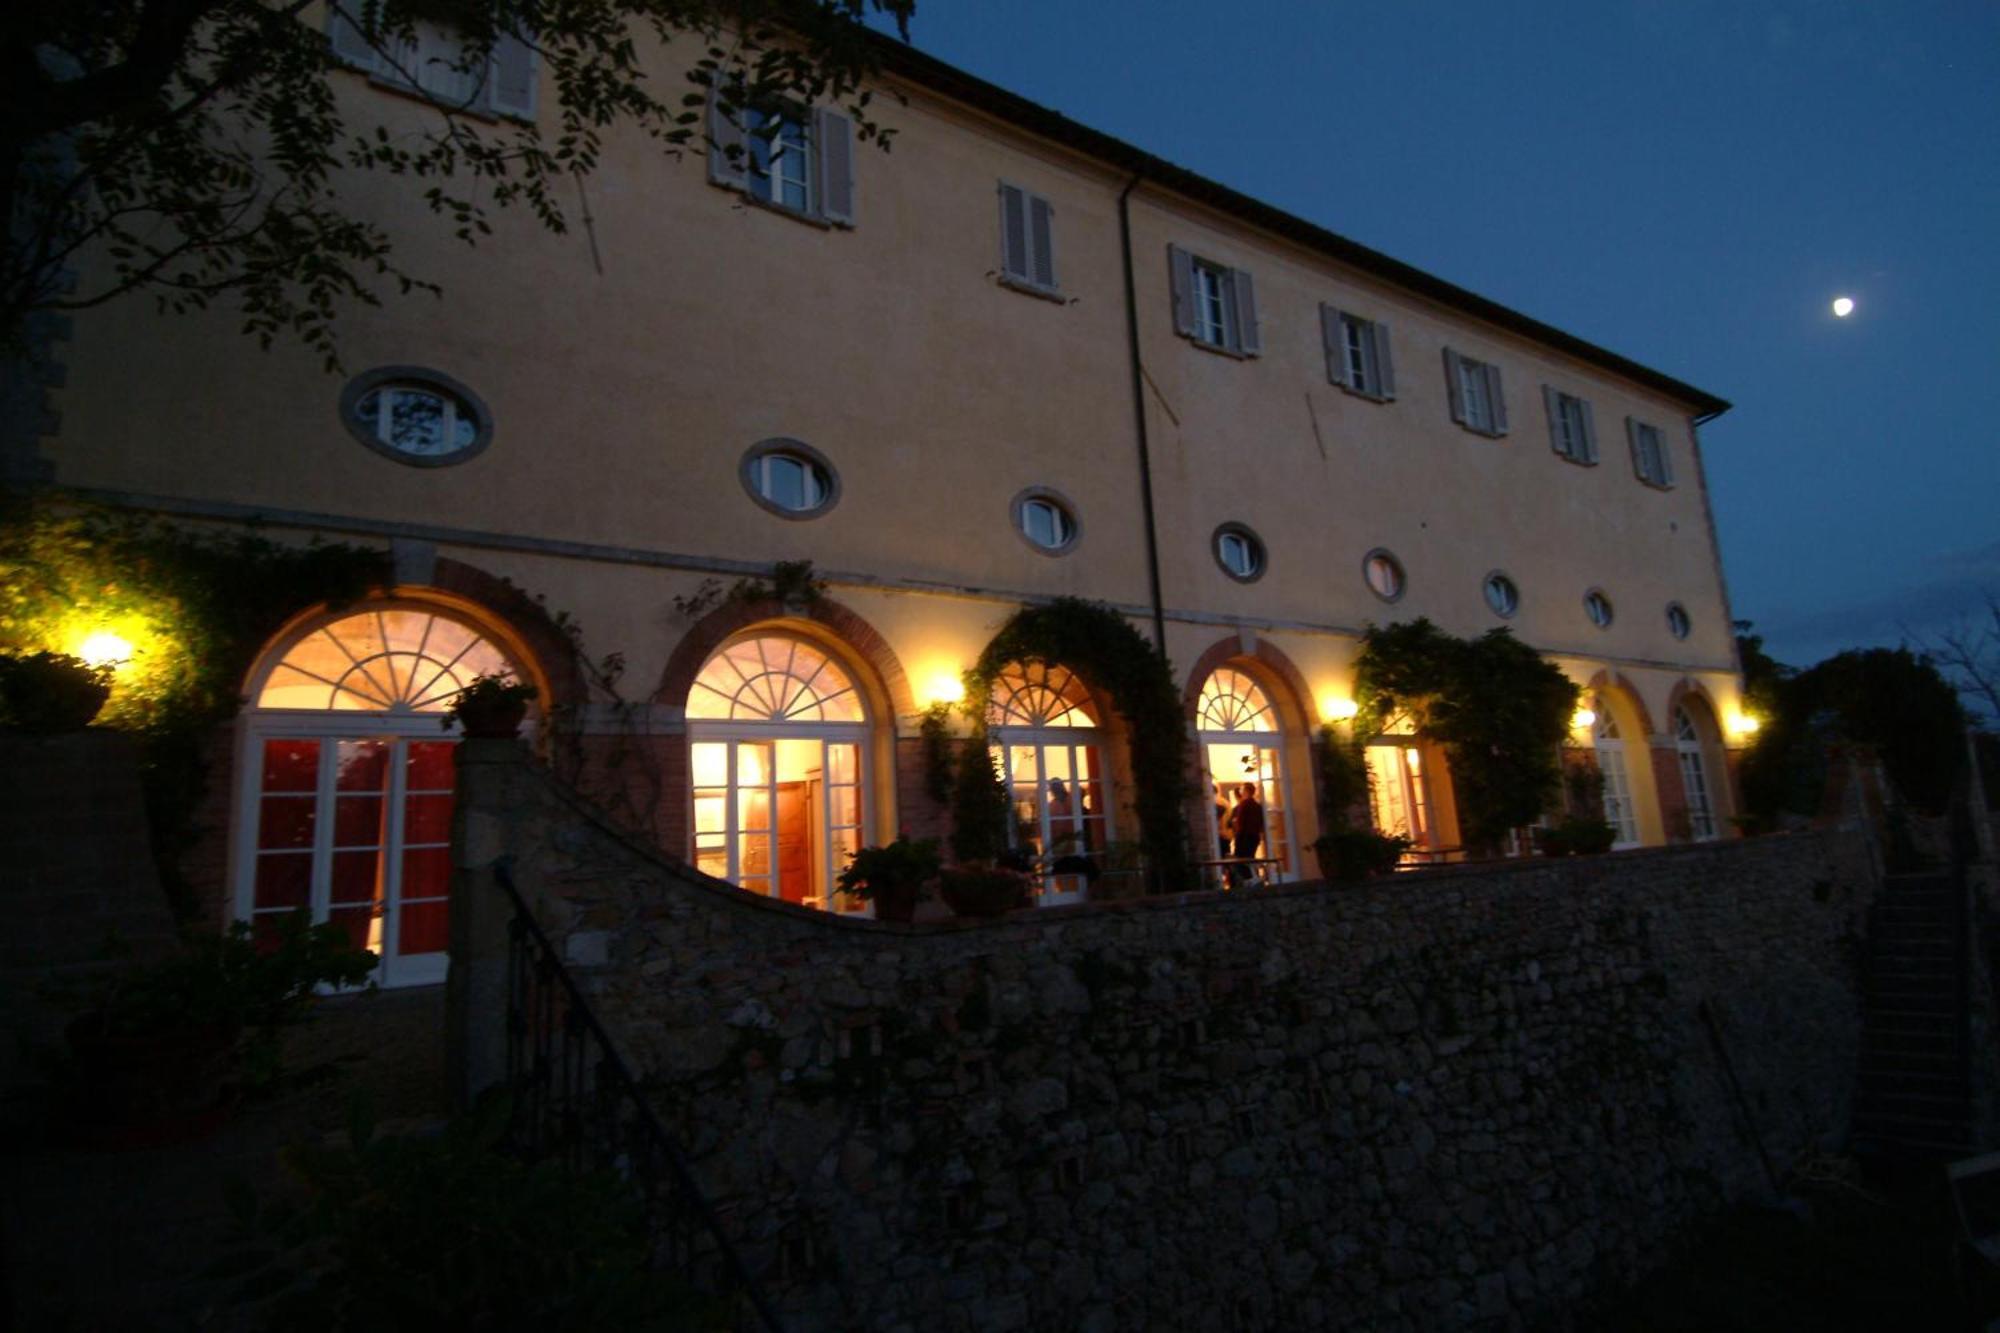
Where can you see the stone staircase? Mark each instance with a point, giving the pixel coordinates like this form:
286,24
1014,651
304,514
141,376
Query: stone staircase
1914,1094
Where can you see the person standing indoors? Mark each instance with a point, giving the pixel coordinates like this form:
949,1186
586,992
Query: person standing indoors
1246,821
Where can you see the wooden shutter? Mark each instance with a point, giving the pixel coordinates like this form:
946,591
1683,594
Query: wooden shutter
1552,404
511,85
1498,397
1453,389
1385,363
1014,232
350,44
1180,268
1248,340
1635,437
1666,461
1041,240
1589,430
1330,333
728,156
833,145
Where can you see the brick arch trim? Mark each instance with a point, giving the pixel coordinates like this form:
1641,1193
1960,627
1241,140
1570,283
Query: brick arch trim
1605,681
526,620
1270,663
1686,689
838,622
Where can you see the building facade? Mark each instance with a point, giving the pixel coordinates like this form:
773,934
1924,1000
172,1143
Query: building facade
1011,360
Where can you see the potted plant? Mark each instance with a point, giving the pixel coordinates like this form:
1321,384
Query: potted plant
891,876
47,694
983,890
1349,855
161,1049
491,706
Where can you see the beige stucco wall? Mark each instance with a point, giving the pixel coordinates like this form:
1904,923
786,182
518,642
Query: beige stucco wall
625,399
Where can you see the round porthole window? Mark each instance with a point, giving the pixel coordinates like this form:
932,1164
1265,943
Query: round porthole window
1239,551
1046,520
790,478
1598,607
1384,573
415,416
1502,597
1678,623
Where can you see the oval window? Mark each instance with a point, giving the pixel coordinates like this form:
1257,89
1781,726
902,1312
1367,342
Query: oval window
1678,623
415,416
1239,552
1046,520
1384,574
1501,595
790,478
1598,607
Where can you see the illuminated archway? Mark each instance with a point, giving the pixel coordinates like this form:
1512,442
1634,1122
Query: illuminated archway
1043,727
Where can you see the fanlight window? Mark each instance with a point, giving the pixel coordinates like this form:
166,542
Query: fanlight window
394,661
774,679
1607,725
1231,701
1684,728
1036,694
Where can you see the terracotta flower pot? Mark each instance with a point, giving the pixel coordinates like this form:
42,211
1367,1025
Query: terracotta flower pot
896,901
495,719
983,893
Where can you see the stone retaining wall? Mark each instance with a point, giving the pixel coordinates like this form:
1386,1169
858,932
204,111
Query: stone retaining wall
1465,1098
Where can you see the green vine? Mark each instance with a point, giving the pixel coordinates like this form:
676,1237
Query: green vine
195,608
1496,707
1103,648
936,731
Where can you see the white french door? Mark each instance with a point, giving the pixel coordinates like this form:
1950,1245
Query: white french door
1061,799
1618,810
1399,798
1233,760
779,814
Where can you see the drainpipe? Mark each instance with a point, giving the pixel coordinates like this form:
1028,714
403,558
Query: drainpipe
1139,415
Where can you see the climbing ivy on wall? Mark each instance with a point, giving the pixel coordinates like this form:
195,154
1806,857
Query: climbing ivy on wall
1498,709
195,605
1133,676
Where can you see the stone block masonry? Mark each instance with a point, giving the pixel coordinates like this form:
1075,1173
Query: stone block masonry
1468,1098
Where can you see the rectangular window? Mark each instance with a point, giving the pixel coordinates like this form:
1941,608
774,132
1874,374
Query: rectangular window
435,61
1572,432
1649,454
799,161
1478,402
1357,354
1027,240
1215,306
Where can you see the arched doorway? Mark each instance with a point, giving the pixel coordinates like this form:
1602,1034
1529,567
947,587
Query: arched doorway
778,746
1690,746
1242,741
345,780
1620,811
1402,791
1042,724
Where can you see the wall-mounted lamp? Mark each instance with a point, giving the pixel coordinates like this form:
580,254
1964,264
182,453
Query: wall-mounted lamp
1744,725
1338,708
1583,719
105,649
944,688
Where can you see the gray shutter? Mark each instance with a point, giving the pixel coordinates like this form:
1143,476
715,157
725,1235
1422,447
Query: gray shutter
1248,340
1385,363
833,143
1013,232
1042,239
511,86
728,158
1336,346
350,44
1552,404
1632,443
1589,431
1451,386
1180,266
1499,397
1666,461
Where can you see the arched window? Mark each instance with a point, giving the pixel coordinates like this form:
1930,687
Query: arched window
778,751
1694,777
346,781
1618,808
1241,749
1043,732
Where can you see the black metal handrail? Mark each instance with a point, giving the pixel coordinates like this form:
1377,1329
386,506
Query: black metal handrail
575,1099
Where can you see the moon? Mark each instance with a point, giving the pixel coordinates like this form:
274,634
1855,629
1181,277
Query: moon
1843,306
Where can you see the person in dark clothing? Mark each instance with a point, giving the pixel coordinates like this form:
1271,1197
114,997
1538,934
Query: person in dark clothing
1247,821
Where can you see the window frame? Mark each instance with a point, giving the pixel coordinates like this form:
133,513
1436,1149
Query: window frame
1383,553
762,151
1232,289
1032,255
1253,544
1017,509
1572,438
1486,586
1679,623
750,472
422,379
1656,471
1349,338
1595,597
1467,378
384,71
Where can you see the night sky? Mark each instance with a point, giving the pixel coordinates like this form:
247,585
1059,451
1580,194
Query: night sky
1689,183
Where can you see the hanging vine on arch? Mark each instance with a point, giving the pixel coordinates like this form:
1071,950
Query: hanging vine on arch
1133,676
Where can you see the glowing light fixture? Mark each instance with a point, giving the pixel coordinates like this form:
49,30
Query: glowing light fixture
1745,725
105,649
945,688
1843,306
1583,719
1338,707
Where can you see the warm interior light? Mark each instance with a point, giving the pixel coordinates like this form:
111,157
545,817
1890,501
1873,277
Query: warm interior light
1745,725
1338,707
105,649
945,688
1583,719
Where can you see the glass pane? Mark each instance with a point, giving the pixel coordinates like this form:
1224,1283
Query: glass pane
785,481
753,854
427,819
291,765
424,928
845,842
431,766
711,811
1090,799
712,861
357,821
710,763
361,766
416,421
1056,760
426,873
356,876
753,808
359,925
285,821
753,765
843,762
1024,763
843,805
283,880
